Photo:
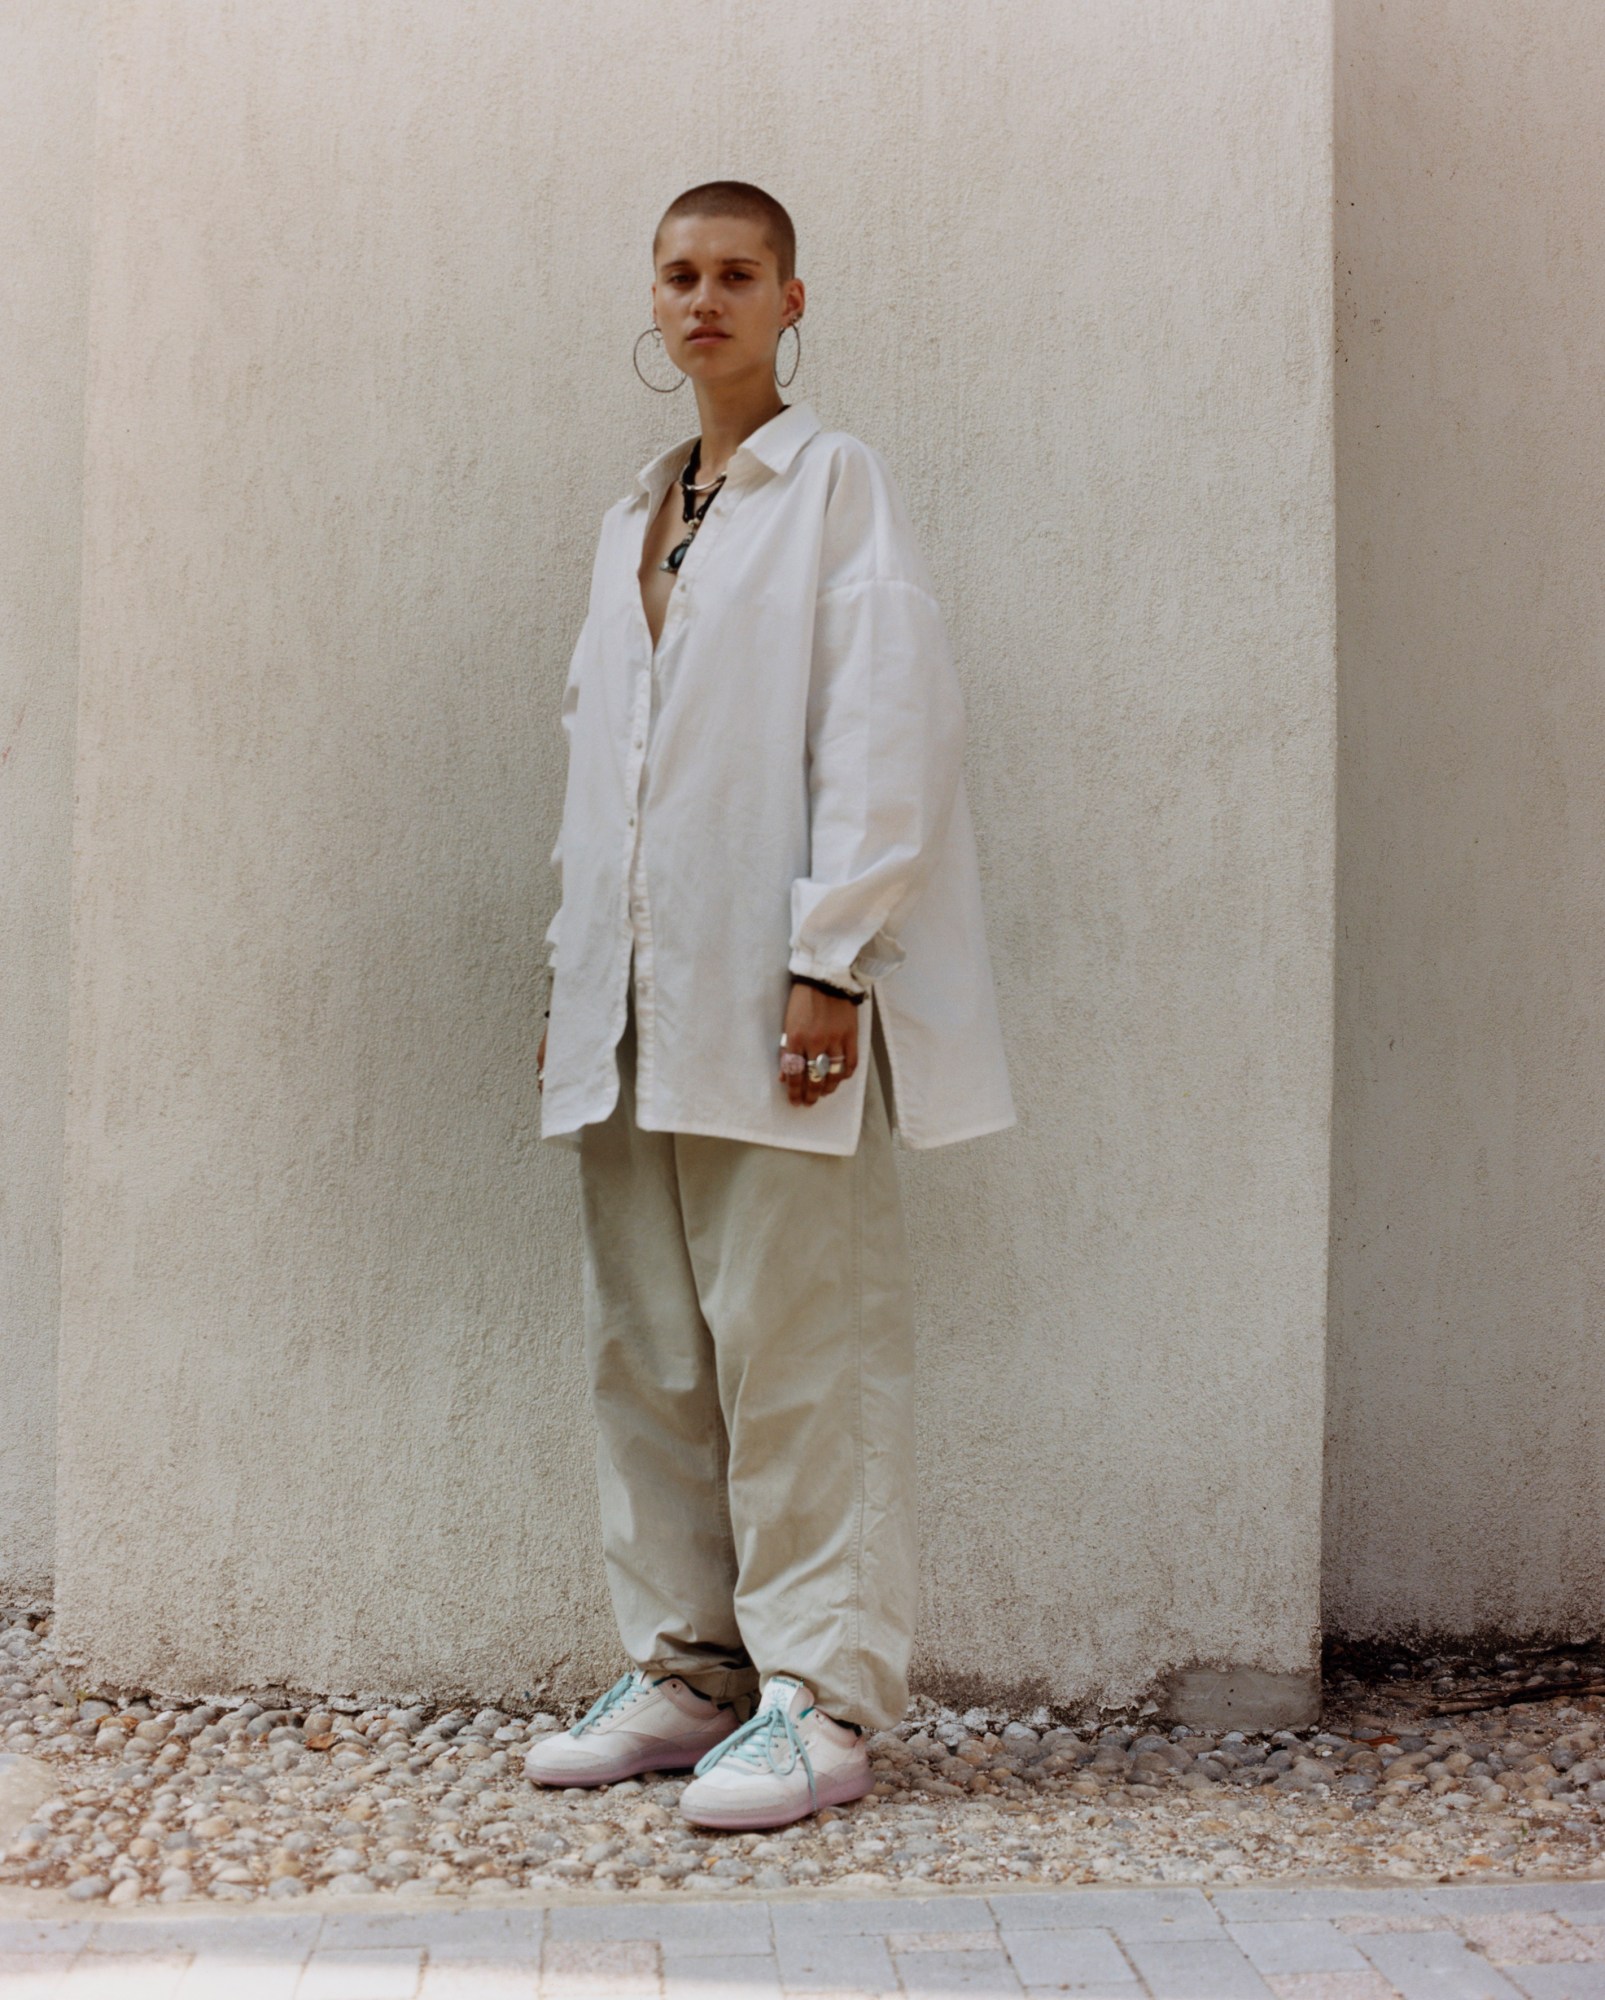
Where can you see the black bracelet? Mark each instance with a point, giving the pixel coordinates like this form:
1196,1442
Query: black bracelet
820,985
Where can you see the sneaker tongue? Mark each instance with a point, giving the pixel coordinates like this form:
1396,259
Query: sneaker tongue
781,1692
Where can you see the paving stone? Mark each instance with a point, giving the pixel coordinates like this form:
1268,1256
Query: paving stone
33,1975
1132,1989
1157,1913
378,1973
145,1975
599,1969
1434,1965
1525,1941
729,1976
1275,1905
1527,1937
1560,1982
1303,1944
881,1916
1195,1969
1408,1920
1071,1960
927,1974
220,1977
834,1961
476,1979
1582,1899
715,1928
446,1933
986,1940
1367,1985
238,1938
1582,1902
23,1934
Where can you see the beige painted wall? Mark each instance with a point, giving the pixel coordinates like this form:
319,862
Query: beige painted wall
359,389
47,95
1467,1484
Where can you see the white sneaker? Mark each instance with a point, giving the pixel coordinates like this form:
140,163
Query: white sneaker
640,1724
787,1762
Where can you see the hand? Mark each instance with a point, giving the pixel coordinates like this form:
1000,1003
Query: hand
540,1062
818,1022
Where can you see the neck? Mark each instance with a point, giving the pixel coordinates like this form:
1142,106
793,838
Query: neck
730,416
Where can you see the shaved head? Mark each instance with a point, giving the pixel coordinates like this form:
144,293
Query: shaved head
746,202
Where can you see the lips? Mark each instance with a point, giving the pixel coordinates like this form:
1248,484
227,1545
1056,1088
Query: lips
697,339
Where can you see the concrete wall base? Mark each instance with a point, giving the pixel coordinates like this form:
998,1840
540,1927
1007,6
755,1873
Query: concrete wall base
1222,1698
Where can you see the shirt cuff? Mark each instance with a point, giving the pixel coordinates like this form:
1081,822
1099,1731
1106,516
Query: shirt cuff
846,977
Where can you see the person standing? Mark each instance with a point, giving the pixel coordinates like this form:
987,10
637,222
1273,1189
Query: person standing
768,954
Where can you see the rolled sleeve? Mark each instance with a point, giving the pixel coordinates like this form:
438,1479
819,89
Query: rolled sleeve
885,753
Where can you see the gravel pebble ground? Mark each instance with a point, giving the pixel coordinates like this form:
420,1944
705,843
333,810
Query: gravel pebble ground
129,1801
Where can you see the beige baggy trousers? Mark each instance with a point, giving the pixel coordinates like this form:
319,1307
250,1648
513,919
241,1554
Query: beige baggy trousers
749,1340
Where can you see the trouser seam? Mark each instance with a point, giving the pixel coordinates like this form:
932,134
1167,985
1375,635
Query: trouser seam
858,1355
720,1441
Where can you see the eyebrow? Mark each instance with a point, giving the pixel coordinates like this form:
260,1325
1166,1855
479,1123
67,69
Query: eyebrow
685,263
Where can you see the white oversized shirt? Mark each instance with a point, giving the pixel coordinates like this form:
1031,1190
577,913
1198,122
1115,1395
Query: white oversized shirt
776,787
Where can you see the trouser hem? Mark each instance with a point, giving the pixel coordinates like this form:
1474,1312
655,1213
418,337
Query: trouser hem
717,1683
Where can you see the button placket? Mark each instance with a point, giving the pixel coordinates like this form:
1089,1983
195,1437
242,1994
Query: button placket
636,918
637,922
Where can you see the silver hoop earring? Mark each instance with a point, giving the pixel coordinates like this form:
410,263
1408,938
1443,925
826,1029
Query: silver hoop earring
654,332
789,327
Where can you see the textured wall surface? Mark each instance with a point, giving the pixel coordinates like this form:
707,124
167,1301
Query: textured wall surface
360,386
47,95
1467,1481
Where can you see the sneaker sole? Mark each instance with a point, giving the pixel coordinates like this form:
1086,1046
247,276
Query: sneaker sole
841,1791
617,1774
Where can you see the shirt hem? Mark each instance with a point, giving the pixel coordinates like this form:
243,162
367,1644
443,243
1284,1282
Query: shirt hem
915,1145
957,1138
747,1138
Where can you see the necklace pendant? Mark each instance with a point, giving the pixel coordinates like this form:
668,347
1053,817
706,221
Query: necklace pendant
672,561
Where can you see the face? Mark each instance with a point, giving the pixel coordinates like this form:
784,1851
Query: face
718,299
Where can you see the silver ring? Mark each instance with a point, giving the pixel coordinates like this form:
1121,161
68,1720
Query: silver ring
819,1066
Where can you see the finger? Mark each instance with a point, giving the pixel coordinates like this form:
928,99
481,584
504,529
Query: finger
849,1060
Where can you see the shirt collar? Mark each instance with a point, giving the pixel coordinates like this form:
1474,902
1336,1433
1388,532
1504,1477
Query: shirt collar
773,445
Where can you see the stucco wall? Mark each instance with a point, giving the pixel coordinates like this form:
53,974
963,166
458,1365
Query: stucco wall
47,97
360,387
1467,1484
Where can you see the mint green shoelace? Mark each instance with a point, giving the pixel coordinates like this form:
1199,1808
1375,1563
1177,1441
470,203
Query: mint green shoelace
605,1704
756,1742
